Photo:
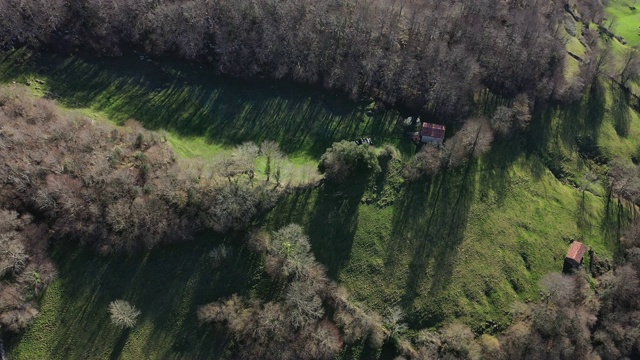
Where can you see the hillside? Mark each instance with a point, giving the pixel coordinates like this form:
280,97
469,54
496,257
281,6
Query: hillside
469,244
423,247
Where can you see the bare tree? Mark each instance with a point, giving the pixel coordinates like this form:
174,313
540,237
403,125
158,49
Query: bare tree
303,303
123,314
292,245
394,322
427,162
630,68
473,140
271,151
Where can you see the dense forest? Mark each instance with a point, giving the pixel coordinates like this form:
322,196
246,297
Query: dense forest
431,56
67,177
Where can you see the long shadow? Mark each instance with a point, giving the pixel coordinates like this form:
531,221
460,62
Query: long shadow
329,214
435,213
495,176
583,117
193,102
618,213
166,285
620,109
119,345
333,225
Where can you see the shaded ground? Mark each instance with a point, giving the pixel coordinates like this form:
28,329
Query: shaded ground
166,285
188,102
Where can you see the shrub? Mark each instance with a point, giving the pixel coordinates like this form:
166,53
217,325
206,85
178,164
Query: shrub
123,314
344,159
427,162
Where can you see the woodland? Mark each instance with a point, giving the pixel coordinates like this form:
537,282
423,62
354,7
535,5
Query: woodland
179,179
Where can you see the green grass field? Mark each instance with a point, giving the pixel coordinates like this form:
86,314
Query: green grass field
465,244
627,20
166,285
190,103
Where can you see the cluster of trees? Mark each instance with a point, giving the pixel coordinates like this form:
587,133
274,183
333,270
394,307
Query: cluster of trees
428,55
345,158
63,175
116,188
24,268
471,141
312,318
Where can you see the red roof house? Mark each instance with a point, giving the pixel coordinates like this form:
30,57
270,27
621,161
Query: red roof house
575,254
432,133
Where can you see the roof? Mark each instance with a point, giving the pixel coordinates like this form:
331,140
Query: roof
433,130
576,251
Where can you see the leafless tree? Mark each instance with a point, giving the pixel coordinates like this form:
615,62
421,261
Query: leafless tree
630,68
303,303
473,140
427,162
123,314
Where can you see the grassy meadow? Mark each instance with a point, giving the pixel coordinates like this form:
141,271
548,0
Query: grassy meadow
165,284
626,19
465,244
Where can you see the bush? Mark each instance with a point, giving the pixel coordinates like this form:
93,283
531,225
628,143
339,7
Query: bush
427,162
345,158
123,314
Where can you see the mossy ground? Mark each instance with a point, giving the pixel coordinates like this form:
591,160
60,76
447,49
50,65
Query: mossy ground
465,244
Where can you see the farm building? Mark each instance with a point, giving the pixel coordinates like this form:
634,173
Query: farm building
432,133
575,254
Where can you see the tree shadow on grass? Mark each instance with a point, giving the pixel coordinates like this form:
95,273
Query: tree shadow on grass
620,109
618,213
170,95
553,127
495,175
329,214
119,345
431,219
166,285
333,225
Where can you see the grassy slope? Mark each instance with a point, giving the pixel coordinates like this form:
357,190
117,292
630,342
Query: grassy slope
204,115
627,21
191,103
466,244
166,284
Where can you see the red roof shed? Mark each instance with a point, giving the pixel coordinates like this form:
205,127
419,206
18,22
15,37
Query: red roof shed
575,253
433,130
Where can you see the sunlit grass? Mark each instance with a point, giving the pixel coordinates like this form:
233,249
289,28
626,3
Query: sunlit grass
627,21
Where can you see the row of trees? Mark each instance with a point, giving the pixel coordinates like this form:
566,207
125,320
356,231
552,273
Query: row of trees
117,189
428,55
471,141
311,318
345,159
